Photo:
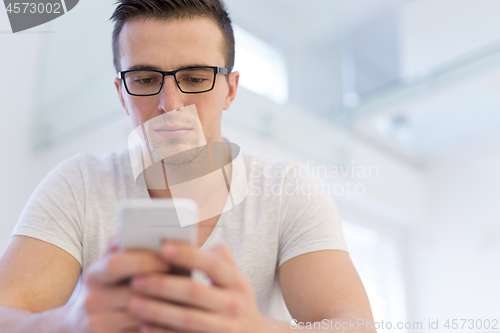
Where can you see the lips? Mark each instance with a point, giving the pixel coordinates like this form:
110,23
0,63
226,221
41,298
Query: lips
173,131
173,127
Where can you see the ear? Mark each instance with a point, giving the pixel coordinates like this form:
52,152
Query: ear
118,85
233,79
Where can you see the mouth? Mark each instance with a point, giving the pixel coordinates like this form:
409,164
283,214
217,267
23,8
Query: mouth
173,131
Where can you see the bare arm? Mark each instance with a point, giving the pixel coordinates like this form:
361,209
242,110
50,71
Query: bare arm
325,285
37,279
14,320
35,276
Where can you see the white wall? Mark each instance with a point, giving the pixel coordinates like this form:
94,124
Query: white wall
453,256
437,32
455,259
21,168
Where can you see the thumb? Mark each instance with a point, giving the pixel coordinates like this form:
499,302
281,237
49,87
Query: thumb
223,252
113,244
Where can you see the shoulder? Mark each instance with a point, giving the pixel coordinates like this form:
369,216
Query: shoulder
265,164
288,184
103,162
110,163
85,170
277,170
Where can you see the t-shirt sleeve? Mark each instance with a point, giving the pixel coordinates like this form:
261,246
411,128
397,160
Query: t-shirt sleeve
55,211
310,220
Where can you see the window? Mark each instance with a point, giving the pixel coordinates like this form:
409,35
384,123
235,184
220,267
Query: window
262,67
375,256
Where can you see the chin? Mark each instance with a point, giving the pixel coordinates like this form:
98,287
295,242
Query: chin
177,154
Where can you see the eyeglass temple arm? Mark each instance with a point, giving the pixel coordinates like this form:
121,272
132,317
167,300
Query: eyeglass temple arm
223,71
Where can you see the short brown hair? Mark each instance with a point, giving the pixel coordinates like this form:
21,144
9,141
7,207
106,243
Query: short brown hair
170,10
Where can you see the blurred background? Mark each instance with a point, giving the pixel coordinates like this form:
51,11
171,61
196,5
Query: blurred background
408,89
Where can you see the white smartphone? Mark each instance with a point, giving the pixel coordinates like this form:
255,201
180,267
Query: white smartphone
147,223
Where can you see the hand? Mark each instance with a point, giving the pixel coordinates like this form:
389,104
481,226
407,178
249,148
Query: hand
101,305
227,306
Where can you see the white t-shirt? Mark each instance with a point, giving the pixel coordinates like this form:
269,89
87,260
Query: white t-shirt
74,208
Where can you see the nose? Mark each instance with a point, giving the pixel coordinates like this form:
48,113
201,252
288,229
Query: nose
170,96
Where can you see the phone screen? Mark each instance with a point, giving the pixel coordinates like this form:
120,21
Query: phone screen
146,224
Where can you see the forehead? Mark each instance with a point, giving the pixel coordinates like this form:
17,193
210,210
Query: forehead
171,44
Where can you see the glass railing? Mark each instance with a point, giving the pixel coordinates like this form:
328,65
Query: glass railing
404,92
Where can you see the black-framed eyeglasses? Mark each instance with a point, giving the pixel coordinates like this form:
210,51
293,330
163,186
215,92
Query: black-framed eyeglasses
190,80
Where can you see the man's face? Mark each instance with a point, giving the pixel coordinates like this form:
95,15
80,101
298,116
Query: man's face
167,46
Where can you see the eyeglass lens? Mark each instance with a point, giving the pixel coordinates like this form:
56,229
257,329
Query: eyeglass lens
188,80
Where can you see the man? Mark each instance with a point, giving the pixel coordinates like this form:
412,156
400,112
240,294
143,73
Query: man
269,251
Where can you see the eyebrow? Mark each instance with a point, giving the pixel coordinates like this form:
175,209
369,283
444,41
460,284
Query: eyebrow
156,68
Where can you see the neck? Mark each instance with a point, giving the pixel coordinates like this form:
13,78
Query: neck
211,158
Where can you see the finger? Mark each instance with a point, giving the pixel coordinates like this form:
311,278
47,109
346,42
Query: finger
108,298
184,290
113,244
218,270
224,253
115,321
155,329
116,267
177,317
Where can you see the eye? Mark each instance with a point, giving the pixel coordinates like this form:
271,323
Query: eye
194,80
146,80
